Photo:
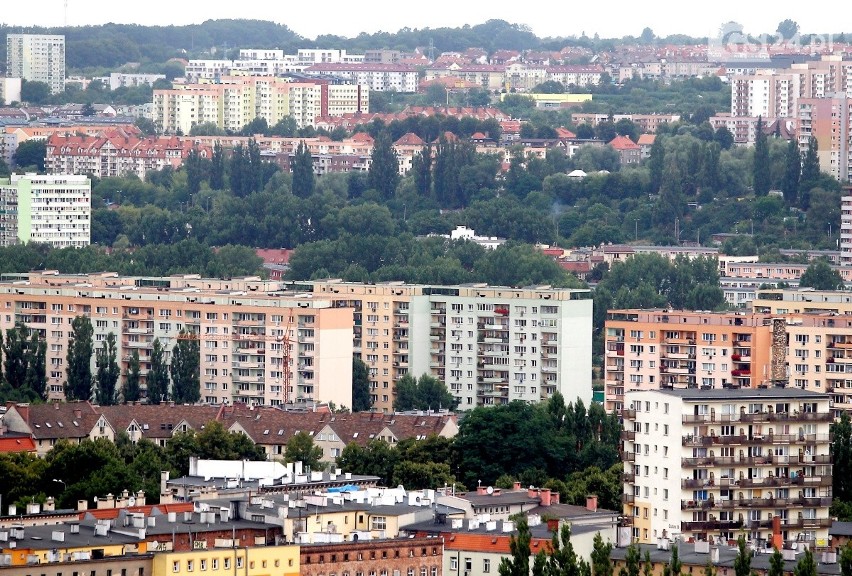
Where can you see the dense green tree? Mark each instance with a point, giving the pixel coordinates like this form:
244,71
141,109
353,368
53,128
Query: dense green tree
377,458
361,401
108,372
157,379
35,380
383,175
15,356
34,92
819,275
518,562
632,559
761,175
792,173
30,153
78,369
185,369
788,29
724,138
304,180
656,164
300,448
132,391
425,393
561,559
194,166
806,566
846,560
742,562
421,167
217,168
601,556
422,475
810,173
841,455
776,564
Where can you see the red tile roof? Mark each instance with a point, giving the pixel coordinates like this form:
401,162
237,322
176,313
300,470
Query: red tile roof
623,143
646,139
11,444
147,510
410,139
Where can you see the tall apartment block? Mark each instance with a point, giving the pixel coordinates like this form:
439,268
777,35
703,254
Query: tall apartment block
652,349
258,345
829,121
490,345
37,58
846,231
711,464
51,209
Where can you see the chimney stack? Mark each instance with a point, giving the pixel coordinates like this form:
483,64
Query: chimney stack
516,486
592,503
82,505
531,492
545,497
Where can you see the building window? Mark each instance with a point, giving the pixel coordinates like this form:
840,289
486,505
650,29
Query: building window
486,565
189,566
175,567
454,564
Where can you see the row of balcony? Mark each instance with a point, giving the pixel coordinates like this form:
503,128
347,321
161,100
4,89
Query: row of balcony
799,480
727,525
759,417
691,440
771,502
768,459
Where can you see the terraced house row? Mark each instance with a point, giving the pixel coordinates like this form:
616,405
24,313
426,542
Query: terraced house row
270,428
272,343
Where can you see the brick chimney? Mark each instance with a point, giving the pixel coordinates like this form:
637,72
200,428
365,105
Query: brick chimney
554,497
592,503
553,524
82,505
516,486
532,492
481,490
545,497
77,413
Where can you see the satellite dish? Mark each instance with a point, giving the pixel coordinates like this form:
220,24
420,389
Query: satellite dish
489,490
131,501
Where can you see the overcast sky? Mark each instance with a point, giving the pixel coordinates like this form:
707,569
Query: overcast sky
345,17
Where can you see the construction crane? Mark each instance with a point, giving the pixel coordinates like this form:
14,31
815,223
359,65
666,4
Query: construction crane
283,338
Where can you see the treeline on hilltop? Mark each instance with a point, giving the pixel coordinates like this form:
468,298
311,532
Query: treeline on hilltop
111,45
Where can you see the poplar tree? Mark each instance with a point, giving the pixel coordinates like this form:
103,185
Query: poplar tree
78,369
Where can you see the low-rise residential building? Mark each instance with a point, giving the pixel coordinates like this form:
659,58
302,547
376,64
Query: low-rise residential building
374,76
410,556
704,464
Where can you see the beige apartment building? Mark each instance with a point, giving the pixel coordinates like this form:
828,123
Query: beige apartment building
710,465
259,346
489,344
234,101
653,349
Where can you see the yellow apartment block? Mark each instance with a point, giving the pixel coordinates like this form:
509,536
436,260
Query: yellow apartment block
246,561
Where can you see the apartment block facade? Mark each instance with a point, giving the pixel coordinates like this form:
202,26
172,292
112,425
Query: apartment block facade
37,58
712,464
258,345
490,345
234,101
653,349
47,209
828,120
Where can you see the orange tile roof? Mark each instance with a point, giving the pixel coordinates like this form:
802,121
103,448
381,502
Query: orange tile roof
10,444
147,510
623,143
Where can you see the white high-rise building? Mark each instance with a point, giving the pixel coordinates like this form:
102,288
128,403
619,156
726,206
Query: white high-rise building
713,464
37,58
50,209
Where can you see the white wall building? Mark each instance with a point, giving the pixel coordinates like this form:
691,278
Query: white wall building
710,463
37,58
48,209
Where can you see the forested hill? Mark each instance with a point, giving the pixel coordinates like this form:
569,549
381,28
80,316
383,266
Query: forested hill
111,45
